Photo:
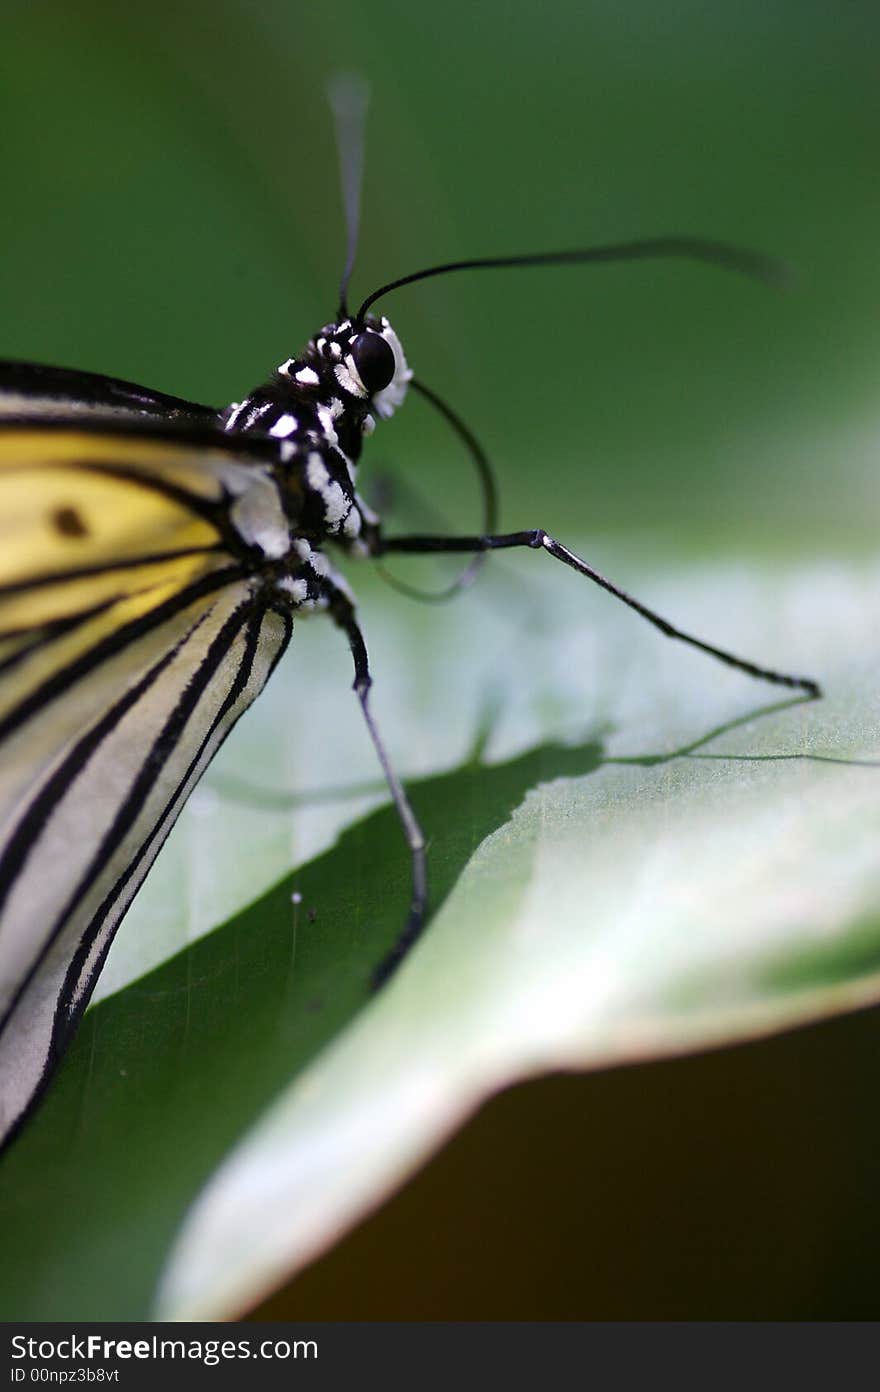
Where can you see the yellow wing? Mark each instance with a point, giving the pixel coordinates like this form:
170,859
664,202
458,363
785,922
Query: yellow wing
133,633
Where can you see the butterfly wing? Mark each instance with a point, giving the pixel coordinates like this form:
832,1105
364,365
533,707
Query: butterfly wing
134,631
31,390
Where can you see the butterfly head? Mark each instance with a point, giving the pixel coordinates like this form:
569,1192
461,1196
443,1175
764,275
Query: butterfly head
366,364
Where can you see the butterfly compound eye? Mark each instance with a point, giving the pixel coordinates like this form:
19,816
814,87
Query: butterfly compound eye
374,360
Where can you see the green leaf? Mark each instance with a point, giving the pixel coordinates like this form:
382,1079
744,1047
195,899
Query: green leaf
633,851
705,871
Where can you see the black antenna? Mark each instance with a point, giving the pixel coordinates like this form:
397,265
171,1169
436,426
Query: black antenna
489,493
730,258
349,96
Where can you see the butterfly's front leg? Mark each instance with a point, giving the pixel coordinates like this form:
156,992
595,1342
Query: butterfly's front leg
538,540
342,611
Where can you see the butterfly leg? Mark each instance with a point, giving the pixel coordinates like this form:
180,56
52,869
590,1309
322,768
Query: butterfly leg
343,613
538,539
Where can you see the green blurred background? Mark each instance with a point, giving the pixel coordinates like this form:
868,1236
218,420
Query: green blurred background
171,215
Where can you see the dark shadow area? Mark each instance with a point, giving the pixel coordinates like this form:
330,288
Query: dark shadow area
734,1185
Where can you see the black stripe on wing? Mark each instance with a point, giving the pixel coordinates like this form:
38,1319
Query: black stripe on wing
134,562
33,639
216,512
32,825
67,387
191,434
86,961
114,643
77,988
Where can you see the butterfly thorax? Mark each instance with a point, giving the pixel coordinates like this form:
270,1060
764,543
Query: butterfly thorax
319,406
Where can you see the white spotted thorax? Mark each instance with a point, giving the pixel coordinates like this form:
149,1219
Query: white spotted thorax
318,407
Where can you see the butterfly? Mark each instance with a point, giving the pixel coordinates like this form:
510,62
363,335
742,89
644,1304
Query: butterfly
156,556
